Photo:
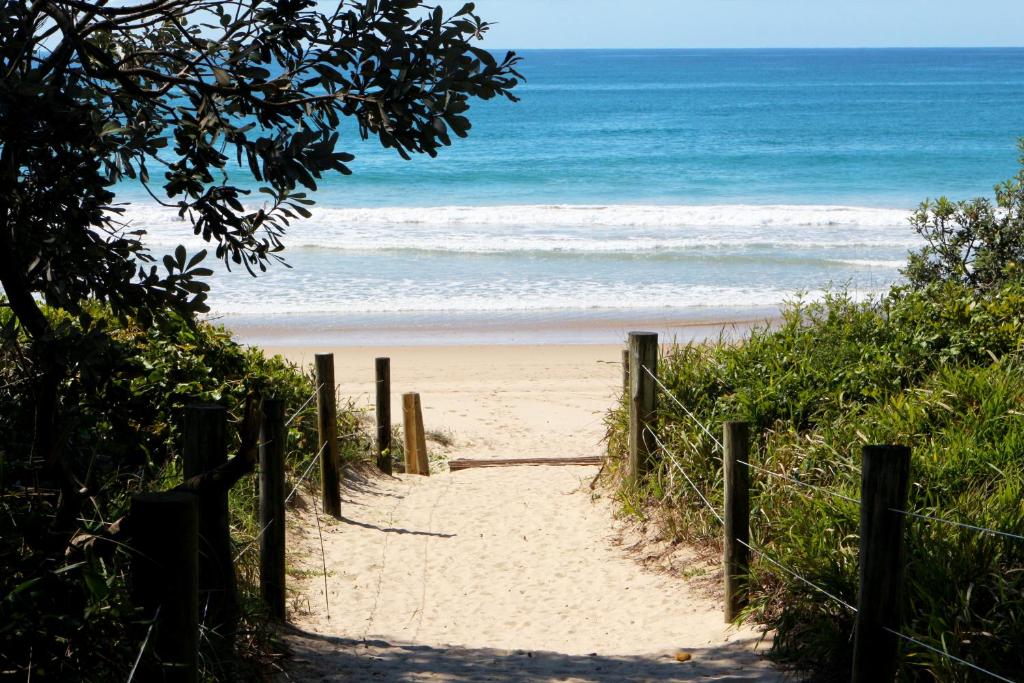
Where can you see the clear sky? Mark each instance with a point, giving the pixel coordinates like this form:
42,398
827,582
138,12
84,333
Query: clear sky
525,24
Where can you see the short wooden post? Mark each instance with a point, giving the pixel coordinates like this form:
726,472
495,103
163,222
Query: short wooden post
165,576
415,438
643,402
383,412
327,416
206,448
205,436
625,372
885,479
273,435
736,553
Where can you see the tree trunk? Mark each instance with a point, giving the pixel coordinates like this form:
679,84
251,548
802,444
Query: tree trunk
50,372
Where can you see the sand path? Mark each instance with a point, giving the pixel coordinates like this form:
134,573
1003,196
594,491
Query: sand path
499,574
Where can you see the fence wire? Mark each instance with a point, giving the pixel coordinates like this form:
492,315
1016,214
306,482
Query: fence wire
145,642
310,467
252,543
791,480
672,459
306,473
956,659
750,547
942,520
835,494
303,406
680,404
795,574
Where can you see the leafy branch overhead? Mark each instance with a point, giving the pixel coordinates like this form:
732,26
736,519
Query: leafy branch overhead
174,93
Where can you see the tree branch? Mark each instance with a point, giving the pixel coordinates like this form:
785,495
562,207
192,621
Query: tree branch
220,479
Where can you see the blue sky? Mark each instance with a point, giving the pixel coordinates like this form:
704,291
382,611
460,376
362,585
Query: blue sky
525,24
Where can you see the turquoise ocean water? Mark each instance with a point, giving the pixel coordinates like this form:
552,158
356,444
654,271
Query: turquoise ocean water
686,184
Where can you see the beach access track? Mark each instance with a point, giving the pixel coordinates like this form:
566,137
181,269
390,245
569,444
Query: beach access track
502,571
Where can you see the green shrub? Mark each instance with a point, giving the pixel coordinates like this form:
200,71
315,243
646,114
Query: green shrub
64,612
939,370
973,243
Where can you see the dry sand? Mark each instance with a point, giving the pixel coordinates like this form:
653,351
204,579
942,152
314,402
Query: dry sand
497,401
498,574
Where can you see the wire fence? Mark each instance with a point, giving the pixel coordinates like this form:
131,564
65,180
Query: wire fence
962,525
309,468
760,552
956,659
672,459
686,410
313,462
749,547
303,406
820,489
797,482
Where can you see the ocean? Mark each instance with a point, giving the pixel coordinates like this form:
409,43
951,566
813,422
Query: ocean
632,185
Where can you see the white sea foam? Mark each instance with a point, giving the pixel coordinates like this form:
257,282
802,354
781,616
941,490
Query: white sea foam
514,300
619,215
540,258
611,229
871,263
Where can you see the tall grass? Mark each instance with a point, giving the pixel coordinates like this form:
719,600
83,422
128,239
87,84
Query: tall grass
939,370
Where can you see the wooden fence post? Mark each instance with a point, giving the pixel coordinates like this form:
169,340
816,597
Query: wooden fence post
327,421
205,448
383,412
205,434
885,478
625,372
736,554
643,402
273,435
165,576
415,439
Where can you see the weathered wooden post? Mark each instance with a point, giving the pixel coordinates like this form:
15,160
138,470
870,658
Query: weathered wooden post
625,372
165,577
736,553
205,435
415,439
885,478
273,436
383,412
327,415
206,448
643,396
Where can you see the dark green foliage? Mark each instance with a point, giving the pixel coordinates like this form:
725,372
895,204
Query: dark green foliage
938,369
974,243
63,606
176,95
172,94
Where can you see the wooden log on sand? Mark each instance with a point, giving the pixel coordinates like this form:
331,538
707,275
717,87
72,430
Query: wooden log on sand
467,463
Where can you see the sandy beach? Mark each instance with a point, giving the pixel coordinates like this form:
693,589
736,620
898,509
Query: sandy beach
493,401
503,574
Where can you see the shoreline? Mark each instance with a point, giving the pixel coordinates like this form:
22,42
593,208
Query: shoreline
491,328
